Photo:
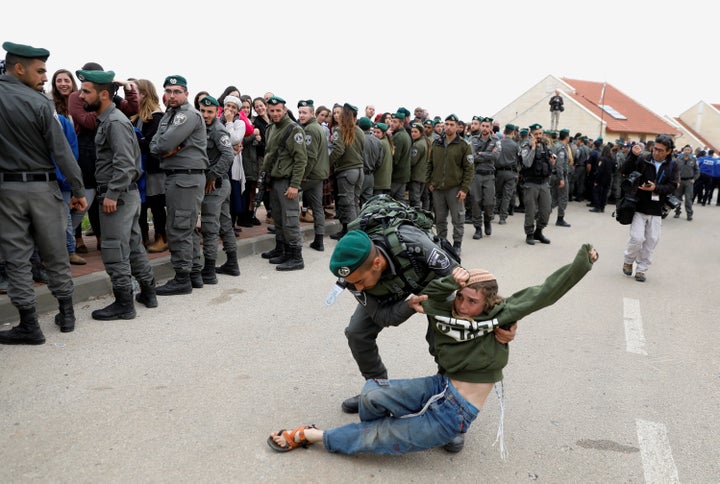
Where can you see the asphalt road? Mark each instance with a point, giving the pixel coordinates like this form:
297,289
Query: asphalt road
618,382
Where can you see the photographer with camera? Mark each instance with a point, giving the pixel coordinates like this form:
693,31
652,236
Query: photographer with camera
652,177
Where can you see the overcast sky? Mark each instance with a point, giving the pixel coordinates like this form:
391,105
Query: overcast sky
463,57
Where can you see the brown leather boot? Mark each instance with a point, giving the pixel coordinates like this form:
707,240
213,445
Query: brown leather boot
160,245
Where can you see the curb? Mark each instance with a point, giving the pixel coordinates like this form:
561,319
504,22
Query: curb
98,284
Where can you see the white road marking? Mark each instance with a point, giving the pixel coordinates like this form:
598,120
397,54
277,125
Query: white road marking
634,335
657,459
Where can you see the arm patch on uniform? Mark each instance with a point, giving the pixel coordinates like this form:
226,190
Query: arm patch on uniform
179,119
225,140
438,259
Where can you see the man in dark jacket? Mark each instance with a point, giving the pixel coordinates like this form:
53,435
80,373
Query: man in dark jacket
657,177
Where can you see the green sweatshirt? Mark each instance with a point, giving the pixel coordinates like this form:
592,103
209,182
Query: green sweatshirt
463,349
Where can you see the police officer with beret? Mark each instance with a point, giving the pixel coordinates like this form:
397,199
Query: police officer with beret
347,158
285,161
506,174
486,152
373,155
536,169
317,169
117,169
386,280
181,145
450,174
32,211
215,211
402,143
559,178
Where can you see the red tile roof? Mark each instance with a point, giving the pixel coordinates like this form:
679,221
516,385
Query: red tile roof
639,119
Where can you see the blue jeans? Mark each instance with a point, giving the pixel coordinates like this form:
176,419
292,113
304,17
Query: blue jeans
401,416
70,232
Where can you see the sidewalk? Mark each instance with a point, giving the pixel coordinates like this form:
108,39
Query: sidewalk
92,281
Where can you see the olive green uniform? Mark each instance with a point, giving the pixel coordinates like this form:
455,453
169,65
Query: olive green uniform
451,170
316,171
285,161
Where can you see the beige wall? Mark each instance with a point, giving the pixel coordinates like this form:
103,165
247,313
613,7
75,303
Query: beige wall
704,119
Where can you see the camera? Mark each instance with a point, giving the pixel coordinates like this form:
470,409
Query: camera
633,180
671,203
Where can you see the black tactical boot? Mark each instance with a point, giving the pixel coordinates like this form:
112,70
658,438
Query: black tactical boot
529,239
180,284
147,295
458,248
317,244
122,308
341,234
208,272
488,225
478,233
66,317
538,235
351,404
294,262
278,250
196,280
561,222
456,444
230,267
28,332
284,256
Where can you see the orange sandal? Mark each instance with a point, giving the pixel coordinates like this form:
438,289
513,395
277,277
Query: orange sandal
289,436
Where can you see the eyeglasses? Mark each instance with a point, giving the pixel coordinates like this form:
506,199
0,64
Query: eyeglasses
174,92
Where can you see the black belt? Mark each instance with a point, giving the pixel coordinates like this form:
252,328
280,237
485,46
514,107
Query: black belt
484,172
507,168
687,178
536,179
101,189
185,171
28,177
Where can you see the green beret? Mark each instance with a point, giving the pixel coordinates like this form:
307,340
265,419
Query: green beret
524,131
620,142
382,127
175,81
26,51
534,127
351,107
364,123
97,77
350,252
275,100
303,104
510,127
209,101
429,122
548,131
477,118
565,130
417,126
437,119
405,111
452,117
398,115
